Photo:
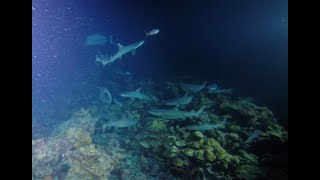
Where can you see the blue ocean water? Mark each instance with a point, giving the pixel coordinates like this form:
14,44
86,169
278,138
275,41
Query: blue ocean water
237,45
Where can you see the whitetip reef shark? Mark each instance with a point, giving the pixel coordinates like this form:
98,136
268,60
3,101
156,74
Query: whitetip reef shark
137,94
122,50
184,100
175,113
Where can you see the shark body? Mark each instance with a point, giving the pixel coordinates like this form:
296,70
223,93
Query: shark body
184,100
175,113
137,94
122,50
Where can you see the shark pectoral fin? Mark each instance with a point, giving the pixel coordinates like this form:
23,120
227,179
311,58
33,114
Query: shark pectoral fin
133,52
139,89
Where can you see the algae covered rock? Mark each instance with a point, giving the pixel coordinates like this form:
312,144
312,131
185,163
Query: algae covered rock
210,141
196,144
234,128
180,143
171,151
199,155
220,153
178,162
210,155
249,172
188,152
248,158
157,126
89,150
144,144
276,131
249,113
198,135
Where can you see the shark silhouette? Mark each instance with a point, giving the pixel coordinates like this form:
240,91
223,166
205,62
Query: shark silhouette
122,50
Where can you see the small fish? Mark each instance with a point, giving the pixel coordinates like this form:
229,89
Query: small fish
184,100
152,32
137,94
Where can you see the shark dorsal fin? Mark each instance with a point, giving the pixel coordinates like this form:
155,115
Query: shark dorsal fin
139,89
120,46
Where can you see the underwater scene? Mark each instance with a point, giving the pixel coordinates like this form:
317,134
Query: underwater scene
156,90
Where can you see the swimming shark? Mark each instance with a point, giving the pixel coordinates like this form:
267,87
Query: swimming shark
122,50
175,113
215,89
184,100
137,94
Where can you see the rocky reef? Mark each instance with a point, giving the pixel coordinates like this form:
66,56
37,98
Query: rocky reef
235,139
68,153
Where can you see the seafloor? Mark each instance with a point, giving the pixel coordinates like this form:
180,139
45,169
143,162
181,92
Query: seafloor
252,144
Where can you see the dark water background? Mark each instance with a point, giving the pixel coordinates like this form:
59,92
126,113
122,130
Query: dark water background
239,44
